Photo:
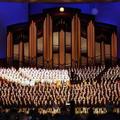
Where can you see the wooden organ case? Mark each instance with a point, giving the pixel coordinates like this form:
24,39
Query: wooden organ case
56,39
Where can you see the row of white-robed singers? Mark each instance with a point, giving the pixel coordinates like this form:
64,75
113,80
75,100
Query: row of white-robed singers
31,76
90,92
56,95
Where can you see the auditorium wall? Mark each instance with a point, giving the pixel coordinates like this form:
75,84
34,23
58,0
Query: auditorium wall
10,13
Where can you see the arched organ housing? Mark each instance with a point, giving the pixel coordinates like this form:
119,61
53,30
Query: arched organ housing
61,39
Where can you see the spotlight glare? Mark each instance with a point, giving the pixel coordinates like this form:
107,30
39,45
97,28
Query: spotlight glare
61,9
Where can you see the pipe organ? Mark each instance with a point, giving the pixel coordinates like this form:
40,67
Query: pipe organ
61,39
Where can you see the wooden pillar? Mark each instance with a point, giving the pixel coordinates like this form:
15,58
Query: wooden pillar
51,37
9,47
45,41
48,36
114,45
76,41
91,42
8,44
21,51
48,41
102,52
79,41
73,41
62,54
32,43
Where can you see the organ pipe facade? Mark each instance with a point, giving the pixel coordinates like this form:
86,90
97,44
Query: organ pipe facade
70,35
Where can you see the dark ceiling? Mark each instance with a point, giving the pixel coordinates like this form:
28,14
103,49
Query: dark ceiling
59,1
